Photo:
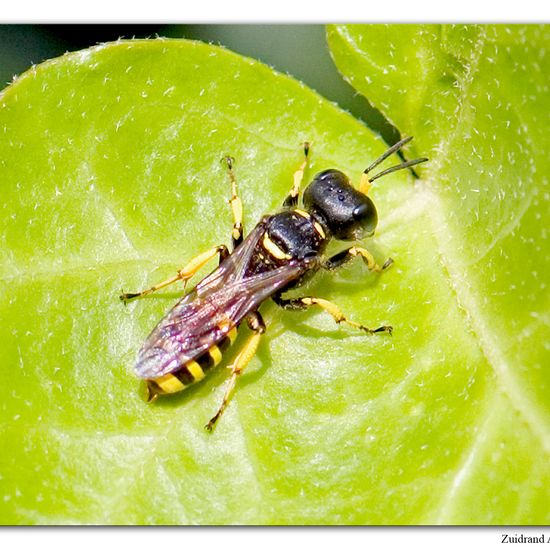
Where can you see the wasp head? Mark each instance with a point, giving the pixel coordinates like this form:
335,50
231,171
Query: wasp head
346,212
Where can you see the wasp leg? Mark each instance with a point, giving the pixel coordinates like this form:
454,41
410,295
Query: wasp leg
236,205
257,325
329,307
346,255
292,197
183,274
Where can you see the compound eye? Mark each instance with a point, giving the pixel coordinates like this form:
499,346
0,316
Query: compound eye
360,211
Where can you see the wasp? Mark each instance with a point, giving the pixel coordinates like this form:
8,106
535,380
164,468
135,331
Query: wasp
282,252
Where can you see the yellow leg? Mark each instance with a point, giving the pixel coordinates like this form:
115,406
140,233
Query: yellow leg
236,205
183,274
369,259
345,256
292,198
255,322
337,314
329,307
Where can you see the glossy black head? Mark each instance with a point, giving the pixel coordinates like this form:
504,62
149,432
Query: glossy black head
346,212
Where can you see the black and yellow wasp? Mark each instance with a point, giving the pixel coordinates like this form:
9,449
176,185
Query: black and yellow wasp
281,252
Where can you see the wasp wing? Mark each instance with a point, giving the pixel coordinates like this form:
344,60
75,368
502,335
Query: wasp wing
205,315
193,326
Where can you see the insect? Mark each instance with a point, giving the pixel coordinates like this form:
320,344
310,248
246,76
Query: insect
281,252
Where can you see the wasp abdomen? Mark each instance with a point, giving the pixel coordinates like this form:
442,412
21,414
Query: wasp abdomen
192,371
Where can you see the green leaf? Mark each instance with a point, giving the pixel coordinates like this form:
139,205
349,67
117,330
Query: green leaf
110,161
476,99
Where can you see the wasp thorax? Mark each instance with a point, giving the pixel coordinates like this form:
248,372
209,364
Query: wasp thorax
346,212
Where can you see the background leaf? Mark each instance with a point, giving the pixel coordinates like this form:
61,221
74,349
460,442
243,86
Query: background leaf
477,97
111,168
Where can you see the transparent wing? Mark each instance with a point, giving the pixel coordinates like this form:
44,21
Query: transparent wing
217,304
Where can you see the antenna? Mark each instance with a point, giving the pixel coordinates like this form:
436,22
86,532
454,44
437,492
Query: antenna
398,167
366,182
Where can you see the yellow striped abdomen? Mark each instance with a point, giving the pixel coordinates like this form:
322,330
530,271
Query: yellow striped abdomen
192,371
